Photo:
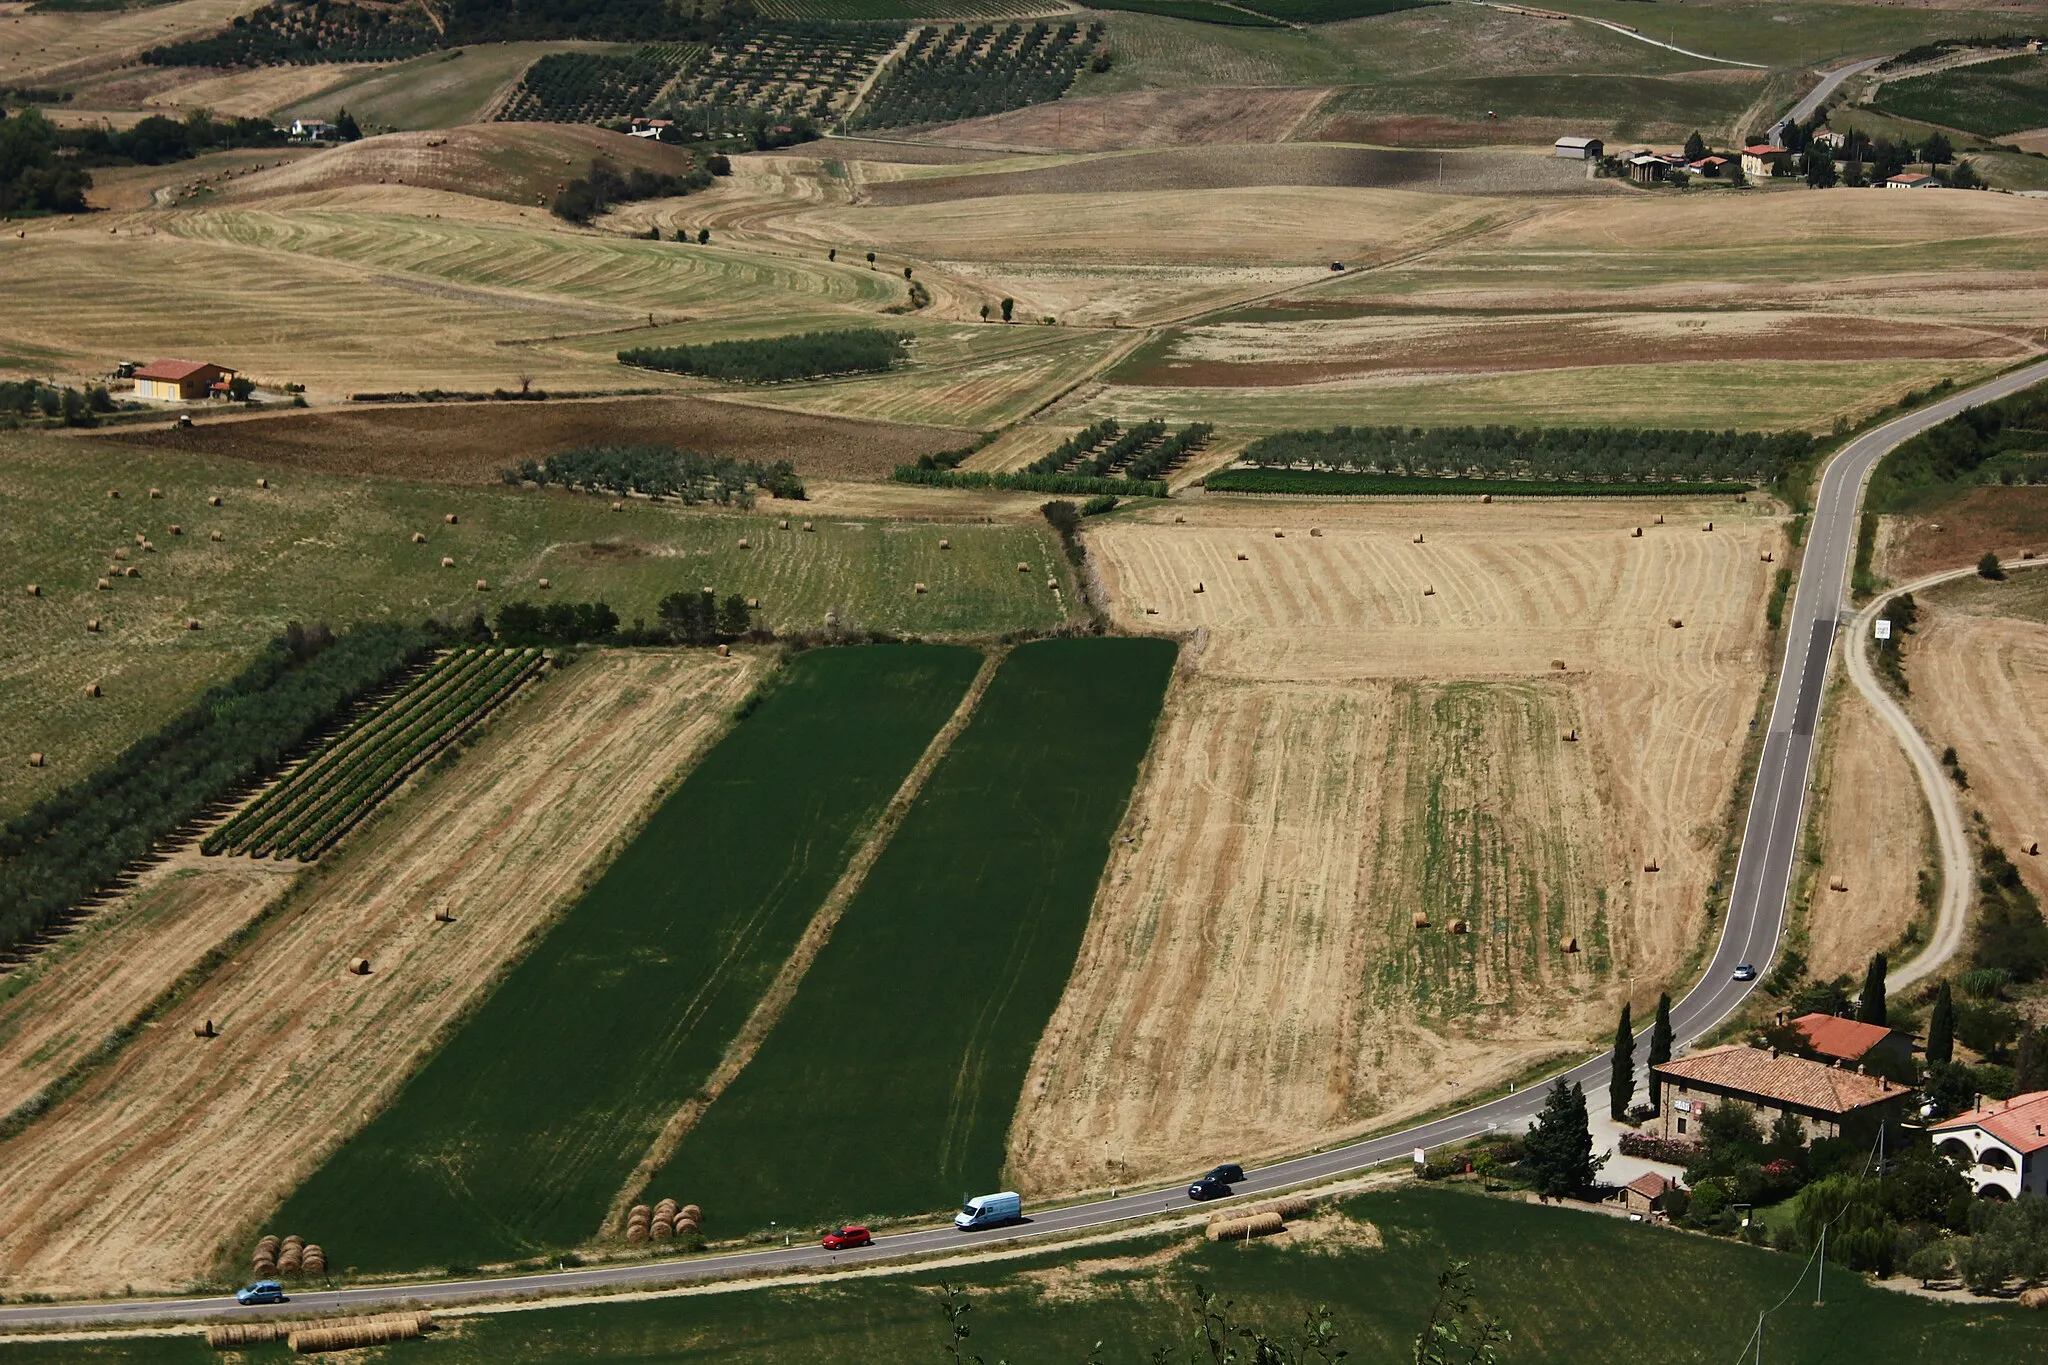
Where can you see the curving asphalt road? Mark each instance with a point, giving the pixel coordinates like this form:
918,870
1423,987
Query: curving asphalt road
1755,918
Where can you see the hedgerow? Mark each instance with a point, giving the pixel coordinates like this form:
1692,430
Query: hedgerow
1071,485
1338,482
772,360
658,471
1592,454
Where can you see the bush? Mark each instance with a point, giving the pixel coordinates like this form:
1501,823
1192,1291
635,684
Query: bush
1989,567
1649,1147
770,360
1069,485
2011,934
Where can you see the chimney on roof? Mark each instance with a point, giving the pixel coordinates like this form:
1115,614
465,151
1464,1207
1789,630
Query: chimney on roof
1774,1054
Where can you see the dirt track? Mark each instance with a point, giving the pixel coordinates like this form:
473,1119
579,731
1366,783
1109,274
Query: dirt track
1347,751
161,1164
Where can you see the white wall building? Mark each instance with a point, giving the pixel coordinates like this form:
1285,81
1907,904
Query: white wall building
2002,1148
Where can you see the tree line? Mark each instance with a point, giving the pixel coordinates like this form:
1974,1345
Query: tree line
1602,454
604,184
773,360
1998,433
698,616
659,471
77,842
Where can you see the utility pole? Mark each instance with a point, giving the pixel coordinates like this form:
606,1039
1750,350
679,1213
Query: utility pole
1820,1284
1759,1339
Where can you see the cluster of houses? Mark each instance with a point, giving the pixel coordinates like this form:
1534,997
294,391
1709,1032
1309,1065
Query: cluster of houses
1760,161
2000,1147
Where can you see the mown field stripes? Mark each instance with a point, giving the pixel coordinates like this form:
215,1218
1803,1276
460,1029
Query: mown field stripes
514,1138
889,1084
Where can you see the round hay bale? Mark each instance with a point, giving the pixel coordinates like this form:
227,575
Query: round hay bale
149,547
205,1029
743,543
1458,926
1242,556
290,1259
1421,919
1179,520
263,1268
945,544
1709,526
1571,736
1198,587
263,483
176,529
1486,497
545,584
293,1240
1052,583
1418,537
1316,531
133,572
449,518
666,1209
103,585
447,561
1659,521
662,1230
618,507
2033,849
640,1211
213,500
753,604
92,689
636,1232
419,537
113,492
121,554
214,536
482,586
1651,866
1022,567
1571,944
156,492
35,590
191,623
1557,664
314,1261
35,760
691,1212
809,527
782,525
1677,623
1636,534
92,625
2034,1298
1769,557
359,966
725,651
1429,590
917,587
268,1244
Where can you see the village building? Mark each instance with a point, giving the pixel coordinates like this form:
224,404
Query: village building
1761,161
175,381
1649,1193
1710,166
1646,169
1826,1099
1579,148
1912,181
1836,1039
2001,1147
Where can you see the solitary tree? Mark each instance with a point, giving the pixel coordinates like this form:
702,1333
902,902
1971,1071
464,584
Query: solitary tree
1941,1029
906,272
1559,1147
871,260
984,312
833,254
1621,1086
1937,150
1989,567
1965,177
1820,167
345,126
1870,1005
1695,146
1660,1048
1009,307
703,236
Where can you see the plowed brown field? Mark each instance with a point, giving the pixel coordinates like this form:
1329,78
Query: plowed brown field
1345,752
149,1174
1979,669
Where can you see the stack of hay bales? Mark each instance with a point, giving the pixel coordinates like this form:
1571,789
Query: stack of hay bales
689,1221
291,1257
214,536
1246,1227
637,1222
263,1264
228,1336
664,1226
313,1261
347,1334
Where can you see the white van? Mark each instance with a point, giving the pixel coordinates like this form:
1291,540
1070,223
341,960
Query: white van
990,1210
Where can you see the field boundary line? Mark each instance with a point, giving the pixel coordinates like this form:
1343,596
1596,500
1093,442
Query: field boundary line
768,1011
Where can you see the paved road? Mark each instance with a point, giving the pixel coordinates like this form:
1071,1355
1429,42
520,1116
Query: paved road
1820,94
1755,917
1958,878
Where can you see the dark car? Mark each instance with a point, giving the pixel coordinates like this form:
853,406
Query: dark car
1230,1173
1209,1187
1745,973
263,1291
847,1238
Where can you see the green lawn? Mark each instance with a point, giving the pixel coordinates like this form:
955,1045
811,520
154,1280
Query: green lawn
1574,1288
314,548
1992,98
517,1135
888,1086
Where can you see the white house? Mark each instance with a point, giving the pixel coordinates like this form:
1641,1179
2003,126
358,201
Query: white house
2002,1148
311,130
1915,181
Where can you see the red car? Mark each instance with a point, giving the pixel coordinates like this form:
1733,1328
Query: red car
846,1239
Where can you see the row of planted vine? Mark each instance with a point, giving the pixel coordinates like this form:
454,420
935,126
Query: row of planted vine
324,797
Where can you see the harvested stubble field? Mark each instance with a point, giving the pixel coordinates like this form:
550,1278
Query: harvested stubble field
520,1132
1977,662
1869,827
467,444
1956,525
859,1104
255,93
437,90
156,1169
1349,752
42,49
1176,117
315,547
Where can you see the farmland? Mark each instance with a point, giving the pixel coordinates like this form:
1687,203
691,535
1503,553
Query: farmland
974,910
315,547
151,1172
322,799
1372,1259
1864,784
956,73
1993,98
1351,751
515,1138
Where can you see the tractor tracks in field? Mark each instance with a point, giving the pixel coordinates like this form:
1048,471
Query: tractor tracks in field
775,1000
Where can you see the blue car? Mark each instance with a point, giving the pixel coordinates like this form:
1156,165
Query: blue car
263,1291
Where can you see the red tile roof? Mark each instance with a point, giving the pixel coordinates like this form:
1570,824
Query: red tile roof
1833,1036
1651,1185
173,369
2021,1122
1782,1078
1763,149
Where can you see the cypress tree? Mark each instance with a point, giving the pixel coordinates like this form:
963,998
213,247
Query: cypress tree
1870,1008
1941,1029
1660,1048
1559,1147
1622,1088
